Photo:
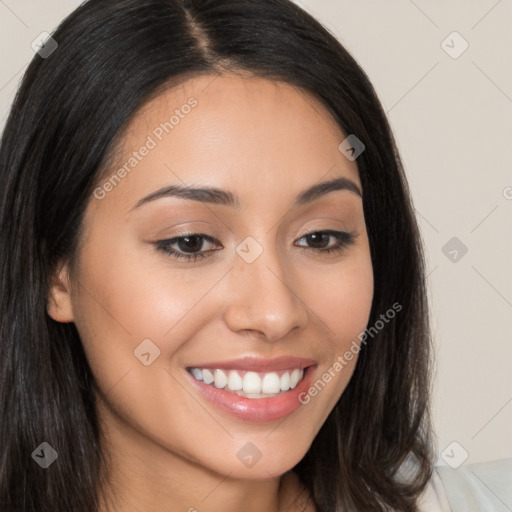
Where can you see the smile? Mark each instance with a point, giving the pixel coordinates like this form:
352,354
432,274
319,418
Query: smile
249,384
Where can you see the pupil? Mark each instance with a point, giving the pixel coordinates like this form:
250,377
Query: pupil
315,237
193,247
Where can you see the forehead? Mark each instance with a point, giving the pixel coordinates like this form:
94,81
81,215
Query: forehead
232,130
236,94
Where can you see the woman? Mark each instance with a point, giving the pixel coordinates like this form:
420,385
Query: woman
213,288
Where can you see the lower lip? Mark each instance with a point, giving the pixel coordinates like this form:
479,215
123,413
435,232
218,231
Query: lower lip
255,409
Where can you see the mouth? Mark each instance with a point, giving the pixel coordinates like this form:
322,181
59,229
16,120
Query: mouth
253,389
249,384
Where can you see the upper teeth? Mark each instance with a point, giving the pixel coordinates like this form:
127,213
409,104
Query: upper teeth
250,382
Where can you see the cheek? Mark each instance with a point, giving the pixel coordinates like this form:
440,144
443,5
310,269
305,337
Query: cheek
342,297
135,292
348,310
131,304
134,301
122,300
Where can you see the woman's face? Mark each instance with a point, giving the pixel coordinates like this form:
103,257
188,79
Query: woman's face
259,305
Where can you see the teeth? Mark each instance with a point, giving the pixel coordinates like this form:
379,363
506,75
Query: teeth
295,377
220,379
197,373
271,383
250,384
235,382
207,376
285,381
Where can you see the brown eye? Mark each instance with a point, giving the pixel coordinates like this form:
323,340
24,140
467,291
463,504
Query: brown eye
187,245
318,241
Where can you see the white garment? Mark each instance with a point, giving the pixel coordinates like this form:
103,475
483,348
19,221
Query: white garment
479,487
434,498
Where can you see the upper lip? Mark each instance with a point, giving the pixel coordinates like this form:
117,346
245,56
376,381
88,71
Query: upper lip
258,364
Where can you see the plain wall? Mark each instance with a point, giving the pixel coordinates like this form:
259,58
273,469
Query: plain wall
452,118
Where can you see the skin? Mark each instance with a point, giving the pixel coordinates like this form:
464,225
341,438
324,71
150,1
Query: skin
264,141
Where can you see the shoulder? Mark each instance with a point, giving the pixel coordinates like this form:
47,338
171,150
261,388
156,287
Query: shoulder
485,486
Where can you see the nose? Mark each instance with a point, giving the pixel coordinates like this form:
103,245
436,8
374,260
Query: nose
262,298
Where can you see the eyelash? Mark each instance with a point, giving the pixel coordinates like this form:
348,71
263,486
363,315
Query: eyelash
344,240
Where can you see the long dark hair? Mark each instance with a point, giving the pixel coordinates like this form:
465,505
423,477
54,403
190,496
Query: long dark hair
112,57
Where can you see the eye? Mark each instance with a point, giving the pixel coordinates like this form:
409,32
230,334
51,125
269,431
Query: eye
187,244
320,239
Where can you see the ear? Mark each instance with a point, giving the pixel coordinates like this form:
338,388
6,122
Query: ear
59,300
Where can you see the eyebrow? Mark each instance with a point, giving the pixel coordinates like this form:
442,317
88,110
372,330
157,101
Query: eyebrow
217,196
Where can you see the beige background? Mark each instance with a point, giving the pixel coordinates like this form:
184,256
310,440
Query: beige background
452,118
